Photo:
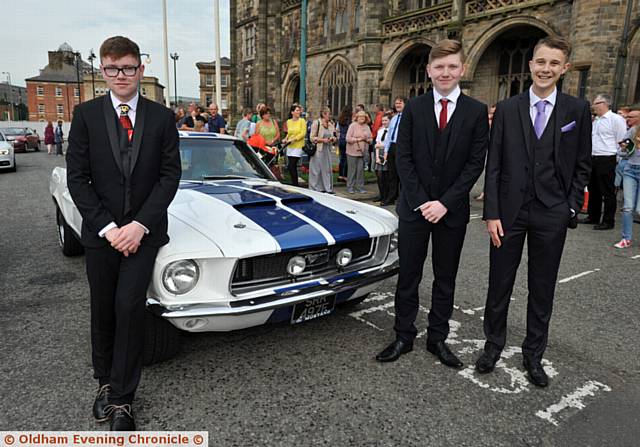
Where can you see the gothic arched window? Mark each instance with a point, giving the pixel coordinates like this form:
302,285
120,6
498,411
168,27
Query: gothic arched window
338,84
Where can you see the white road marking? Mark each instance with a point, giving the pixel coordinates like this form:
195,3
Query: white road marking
377,296
359,313
579,275
635,257
573,400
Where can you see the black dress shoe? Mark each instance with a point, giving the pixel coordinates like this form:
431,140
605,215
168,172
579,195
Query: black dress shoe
121,417
536,372
604,226
393,352
444,354
587,220
487,361
101,401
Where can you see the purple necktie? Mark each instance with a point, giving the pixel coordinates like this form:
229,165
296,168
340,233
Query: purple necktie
538,124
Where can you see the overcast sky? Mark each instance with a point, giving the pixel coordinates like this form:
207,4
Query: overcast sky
31,28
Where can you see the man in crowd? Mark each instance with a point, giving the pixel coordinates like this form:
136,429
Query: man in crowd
217,123
390,153
189,122
608,130
441,146
538,165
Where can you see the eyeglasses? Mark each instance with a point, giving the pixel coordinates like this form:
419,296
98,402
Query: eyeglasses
113,72
599,102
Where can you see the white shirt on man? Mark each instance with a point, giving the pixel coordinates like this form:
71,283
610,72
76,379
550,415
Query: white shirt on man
452,100
608,130
548,110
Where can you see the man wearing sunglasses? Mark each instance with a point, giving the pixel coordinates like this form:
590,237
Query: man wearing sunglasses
123,170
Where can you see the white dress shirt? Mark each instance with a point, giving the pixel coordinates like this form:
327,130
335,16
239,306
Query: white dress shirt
452,99
608,130
391,138
133,105
548,110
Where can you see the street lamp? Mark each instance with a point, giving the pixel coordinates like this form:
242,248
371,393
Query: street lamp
175,56
147,59
91,58
11,109
77,55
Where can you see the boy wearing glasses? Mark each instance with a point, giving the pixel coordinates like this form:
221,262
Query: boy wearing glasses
123,170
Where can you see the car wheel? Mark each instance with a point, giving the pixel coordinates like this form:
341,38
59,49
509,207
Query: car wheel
14,167
162,340
70,245
37,148
354,302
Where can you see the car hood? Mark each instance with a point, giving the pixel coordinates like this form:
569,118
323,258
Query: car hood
254,217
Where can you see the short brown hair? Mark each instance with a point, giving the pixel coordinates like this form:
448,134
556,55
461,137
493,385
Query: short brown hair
119,46
246,111
555,42
446,47
264,111
634,107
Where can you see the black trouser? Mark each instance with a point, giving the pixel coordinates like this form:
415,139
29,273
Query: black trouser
292,167
118,286
412,249
392,192
601,187
383,183
545,230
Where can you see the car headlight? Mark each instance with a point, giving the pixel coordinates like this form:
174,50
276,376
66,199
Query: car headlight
344,257
180,277
393,242
4,151
296,265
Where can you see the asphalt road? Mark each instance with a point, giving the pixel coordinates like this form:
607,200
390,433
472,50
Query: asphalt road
318,383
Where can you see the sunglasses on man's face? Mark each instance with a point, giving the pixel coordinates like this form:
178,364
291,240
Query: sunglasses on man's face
113,72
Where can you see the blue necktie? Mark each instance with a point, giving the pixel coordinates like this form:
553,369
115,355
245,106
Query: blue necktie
395,128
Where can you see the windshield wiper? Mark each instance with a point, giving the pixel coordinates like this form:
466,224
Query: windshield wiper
227,176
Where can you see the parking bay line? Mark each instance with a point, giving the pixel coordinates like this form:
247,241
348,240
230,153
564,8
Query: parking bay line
635,257
579,275
572,400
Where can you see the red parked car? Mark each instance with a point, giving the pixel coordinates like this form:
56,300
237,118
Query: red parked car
22,138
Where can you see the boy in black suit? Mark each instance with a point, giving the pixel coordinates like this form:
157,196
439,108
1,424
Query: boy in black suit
123,170
539,162
441,147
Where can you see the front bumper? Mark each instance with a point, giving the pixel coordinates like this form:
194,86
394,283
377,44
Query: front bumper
7,161
244,313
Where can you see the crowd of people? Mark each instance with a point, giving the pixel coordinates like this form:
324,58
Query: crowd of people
367,142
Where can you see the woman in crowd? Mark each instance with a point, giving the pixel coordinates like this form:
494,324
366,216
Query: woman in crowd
381,160
358,140
323,135
296,132
48,137
58,138
630,150
344,120
267,127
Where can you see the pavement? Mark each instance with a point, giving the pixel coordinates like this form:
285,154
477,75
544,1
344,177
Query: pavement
317,383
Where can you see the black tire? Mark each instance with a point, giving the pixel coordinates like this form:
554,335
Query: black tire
69,243
13,169
162,340
353,303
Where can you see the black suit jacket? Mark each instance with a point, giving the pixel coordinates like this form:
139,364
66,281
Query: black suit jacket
508,162
94,169
463,164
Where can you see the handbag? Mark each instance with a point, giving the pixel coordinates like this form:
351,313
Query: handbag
309,147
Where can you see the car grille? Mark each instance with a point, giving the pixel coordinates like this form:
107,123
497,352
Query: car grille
260,271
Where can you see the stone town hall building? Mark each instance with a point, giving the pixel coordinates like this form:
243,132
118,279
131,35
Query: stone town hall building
369,51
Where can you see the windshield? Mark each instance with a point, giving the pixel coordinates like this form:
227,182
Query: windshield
13,131
219,159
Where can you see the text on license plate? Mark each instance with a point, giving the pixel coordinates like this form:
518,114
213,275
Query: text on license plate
313,308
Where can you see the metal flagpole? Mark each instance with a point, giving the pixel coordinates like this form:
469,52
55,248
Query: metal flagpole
166,54
216,36
303,54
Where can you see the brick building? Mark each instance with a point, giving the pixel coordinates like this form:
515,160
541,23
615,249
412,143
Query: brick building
368,51
13,102
54,93
150,87
207,72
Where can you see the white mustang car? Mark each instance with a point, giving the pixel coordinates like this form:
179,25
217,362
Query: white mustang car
246,250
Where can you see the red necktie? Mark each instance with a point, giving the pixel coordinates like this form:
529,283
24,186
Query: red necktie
125,121
443,113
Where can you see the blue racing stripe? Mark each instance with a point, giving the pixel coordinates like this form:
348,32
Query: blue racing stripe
341,227
288,230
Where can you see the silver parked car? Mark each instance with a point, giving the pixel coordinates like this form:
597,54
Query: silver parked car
7,155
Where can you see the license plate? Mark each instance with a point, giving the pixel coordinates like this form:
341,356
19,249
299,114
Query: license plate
313,308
